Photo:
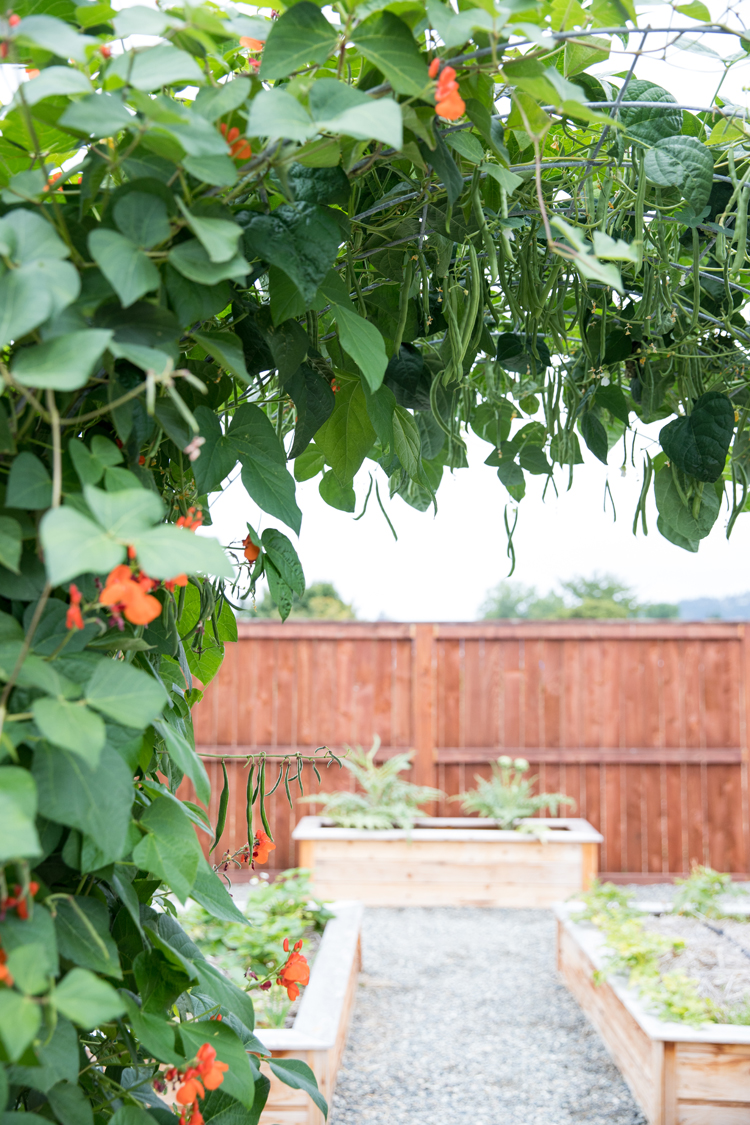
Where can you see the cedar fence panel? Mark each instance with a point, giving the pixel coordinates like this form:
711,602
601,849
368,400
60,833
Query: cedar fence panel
644,725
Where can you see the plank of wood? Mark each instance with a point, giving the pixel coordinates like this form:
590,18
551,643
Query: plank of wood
527,895
423,703
701,1113
727,755
713,1072
626,1042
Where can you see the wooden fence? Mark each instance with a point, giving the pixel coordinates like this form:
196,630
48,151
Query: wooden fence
644,725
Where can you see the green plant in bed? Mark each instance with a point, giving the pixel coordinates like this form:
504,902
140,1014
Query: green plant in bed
700,894
507,796
283,909
385,799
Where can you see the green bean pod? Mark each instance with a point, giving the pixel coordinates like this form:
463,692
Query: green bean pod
639,233
249,813
403,305
262,800
223,805
740,234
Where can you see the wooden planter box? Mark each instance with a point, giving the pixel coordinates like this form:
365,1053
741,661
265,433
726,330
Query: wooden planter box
450,861
319,1033
678,1074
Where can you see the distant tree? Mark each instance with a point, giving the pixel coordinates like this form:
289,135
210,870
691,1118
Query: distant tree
601,597
320,601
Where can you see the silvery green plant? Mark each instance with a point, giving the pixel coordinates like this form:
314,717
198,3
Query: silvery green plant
507,796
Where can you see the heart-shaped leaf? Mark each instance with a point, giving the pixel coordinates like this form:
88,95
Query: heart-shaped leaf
698,443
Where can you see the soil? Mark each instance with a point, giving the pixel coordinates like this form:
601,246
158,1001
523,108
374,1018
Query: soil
718,961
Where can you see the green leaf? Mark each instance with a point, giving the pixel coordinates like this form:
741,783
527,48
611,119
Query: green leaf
314,402
211,893
83,937
96,801
347,436
10,543
698,443
58,1058
695,11
34,292
299,36
511,474
407,443
86,1000
681,518
281,594
130,273
338,108
20,1018
170,849
125,694
185,758
70,1104
362,341
652,123
336,494
298,1075
55,36
150,68
612,398
238,1081
54,80
213,102
276,113
74,544
155,1034
218,170
685,163
445,166
63,364
100,115
29,483
218,455
71,726
387,42
18,836
673,536
219,988
218,237
302,239
226,348
142,218
595,435
166,551
308,464
284,557
264,471
466,145
192,261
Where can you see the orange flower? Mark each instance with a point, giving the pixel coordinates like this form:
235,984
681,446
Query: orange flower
250,44
263,845
451,107
129,597
449,103
238,146
295,972
252,550
193,519
32,72
5,974
180,580
211,1072
74,617
14,20
189,1092
434,68
105,52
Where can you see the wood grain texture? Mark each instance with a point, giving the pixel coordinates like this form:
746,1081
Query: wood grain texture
643,724
675,1083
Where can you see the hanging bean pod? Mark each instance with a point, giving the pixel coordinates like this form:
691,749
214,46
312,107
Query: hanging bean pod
223,805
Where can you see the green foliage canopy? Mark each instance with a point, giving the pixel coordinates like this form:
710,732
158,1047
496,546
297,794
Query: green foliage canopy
288,271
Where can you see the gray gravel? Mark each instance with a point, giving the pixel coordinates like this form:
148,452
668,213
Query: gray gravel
461,1019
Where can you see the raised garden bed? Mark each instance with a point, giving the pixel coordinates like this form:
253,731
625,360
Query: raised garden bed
318,1035
451,861
679,1074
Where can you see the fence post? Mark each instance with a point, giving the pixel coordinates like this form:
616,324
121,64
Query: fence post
423,701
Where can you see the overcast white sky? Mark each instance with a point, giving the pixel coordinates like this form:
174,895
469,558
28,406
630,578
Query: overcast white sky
441,567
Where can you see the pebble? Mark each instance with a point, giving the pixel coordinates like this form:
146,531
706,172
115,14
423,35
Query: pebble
461,1019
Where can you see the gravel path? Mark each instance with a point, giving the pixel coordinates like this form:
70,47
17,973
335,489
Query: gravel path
461,1019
